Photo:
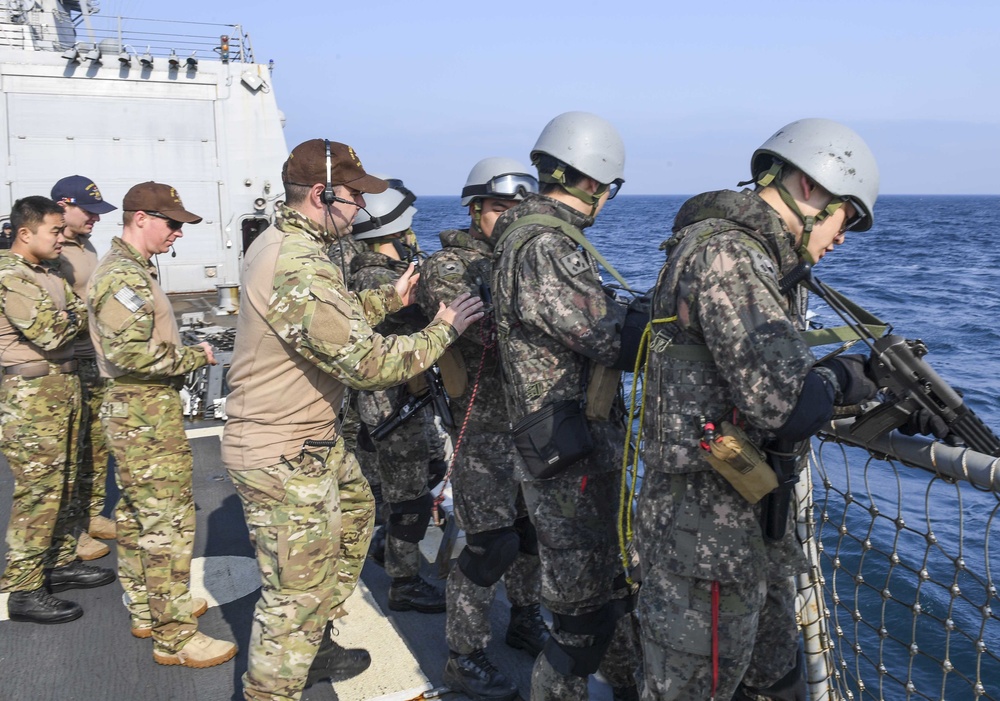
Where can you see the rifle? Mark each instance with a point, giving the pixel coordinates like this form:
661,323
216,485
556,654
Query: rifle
897,366
435,395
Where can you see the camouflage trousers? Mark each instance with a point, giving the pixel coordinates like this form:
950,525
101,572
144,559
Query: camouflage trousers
310,517
487,497
155,513
694,532
40,418
576,521
402,459
92,469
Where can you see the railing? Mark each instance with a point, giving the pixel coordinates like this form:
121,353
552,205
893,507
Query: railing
900,601
43,31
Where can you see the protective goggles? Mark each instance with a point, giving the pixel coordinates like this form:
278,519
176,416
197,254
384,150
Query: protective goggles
855,220
507,186
614,187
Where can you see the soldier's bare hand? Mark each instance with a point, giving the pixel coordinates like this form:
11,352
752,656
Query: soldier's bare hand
209,353
463,312
406,286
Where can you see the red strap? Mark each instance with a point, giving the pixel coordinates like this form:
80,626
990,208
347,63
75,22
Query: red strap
715,638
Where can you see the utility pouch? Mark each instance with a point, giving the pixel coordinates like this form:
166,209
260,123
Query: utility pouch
454,373
602,391
741,463
553,438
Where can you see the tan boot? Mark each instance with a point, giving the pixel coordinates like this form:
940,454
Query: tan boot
199,651
145,629
89,549
101,527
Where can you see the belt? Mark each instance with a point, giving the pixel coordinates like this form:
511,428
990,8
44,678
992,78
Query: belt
172,382
40,368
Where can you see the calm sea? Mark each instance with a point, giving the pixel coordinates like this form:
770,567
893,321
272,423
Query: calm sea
931,267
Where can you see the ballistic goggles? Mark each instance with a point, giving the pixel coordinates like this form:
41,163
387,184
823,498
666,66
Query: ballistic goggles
504,187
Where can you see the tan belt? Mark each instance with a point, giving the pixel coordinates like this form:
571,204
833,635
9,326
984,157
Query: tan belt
173,382
40,368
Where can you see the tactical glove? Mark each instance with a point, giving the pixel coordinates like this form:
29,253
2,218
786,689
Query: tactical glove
927,423
853,378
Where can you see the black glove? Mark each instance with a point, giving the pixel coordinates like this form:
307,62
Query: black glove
636,319
927,423
852,377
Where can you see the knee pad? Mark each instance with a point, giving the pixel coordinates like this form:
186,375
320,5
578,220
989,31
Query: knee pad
410,529
570,660
529,536
486,556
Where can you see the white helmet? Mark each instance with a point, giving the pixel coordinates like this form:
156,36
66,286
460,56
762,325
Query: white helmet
500,179
587,143
385,213
831,154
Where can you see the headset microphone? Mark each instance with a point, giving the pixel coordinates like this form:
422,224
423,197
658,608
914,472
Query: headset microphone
173,253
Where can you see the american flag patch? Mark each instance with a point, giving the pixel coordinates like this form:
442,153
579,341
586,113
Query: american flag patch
129,299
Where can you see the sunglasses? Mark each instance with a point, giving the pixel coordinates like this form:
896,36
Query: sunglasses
172,224
614,187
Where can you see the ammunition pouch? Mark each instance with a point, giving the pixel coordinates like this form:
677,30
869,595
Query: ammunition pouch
553,438
602,390
741,463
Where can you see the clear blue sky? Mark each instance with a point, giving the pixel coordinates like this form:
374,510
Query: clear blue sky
423,90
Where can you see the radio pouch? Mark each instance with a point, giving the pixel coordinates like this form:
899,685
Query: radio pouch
553,438
741,463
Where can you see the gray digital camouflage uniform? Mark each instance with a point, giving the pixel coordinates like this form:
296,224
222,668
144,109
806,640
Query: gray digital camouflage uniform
403,455
721,279
138,347
39,418
302,330
487,495
554,321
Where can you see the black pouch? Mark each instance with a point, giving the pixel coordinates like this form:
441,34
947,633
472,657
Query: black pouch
553,438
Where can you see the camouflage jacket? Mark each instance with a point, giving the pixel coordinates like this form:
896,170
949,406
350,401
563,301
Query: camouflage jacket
553,317
32,298
301,338
464,264
132,323
371,270
342,252
725,260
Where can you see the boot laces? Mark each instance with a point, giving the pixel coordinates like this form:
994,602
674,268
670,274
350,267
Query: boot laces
483,662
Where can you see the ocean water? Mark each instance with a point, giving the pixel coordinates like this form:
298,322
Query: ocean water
931,267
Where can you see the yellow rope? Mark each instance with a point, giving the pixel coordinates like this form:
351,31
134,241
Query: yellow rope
625,505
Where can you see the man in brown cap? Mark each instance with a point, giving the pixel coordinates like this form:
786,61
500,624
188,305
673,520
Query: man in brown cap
139,350
82,206
302,339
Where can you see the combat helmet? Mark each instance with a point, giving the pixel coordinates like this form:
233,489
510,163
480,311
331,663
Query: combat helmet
500,179
830,153
587,143
386,213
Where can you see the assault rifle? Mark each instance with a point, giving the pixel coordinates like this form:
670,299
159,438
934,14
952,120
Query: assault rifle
435,395
897,365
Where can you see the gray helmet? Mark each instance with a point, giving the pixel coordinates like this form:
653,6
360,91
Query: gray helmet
389,212
831,154
585,142
500,179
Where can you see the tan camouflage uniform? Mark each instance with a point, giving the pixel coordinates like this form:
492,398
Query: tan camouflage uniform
554,320
403,455
301,328
139,348
77,263
487,494
39,418
693,527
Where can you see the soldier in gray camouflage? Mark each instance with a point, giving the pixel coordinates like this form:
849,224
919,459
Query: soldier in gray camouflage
726,346
558,333
403,455
40,418
83,206
489,506
302,339
139,351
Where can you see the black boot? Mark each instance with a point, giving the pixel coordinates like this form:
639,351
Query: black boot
476,677
527,630
334,663
414,593
625,693
376,550
77,575
39,606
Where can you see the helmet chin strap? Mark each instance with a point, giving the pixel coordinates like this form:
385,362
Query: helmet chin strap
558,177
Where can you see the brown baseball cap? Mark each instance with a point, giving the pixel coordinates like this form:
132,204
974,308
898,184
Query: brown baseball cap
306,166
157,197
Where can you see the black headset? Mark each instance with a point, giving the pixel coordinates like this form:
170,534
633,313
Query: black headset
328,197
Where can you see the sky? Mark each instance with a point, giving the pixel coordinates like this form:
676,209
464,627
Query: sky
423,90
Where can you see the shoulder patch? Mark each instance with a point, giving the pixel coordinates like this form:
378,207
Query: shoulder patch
21,300
129,299
574,263
448,270
763,265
